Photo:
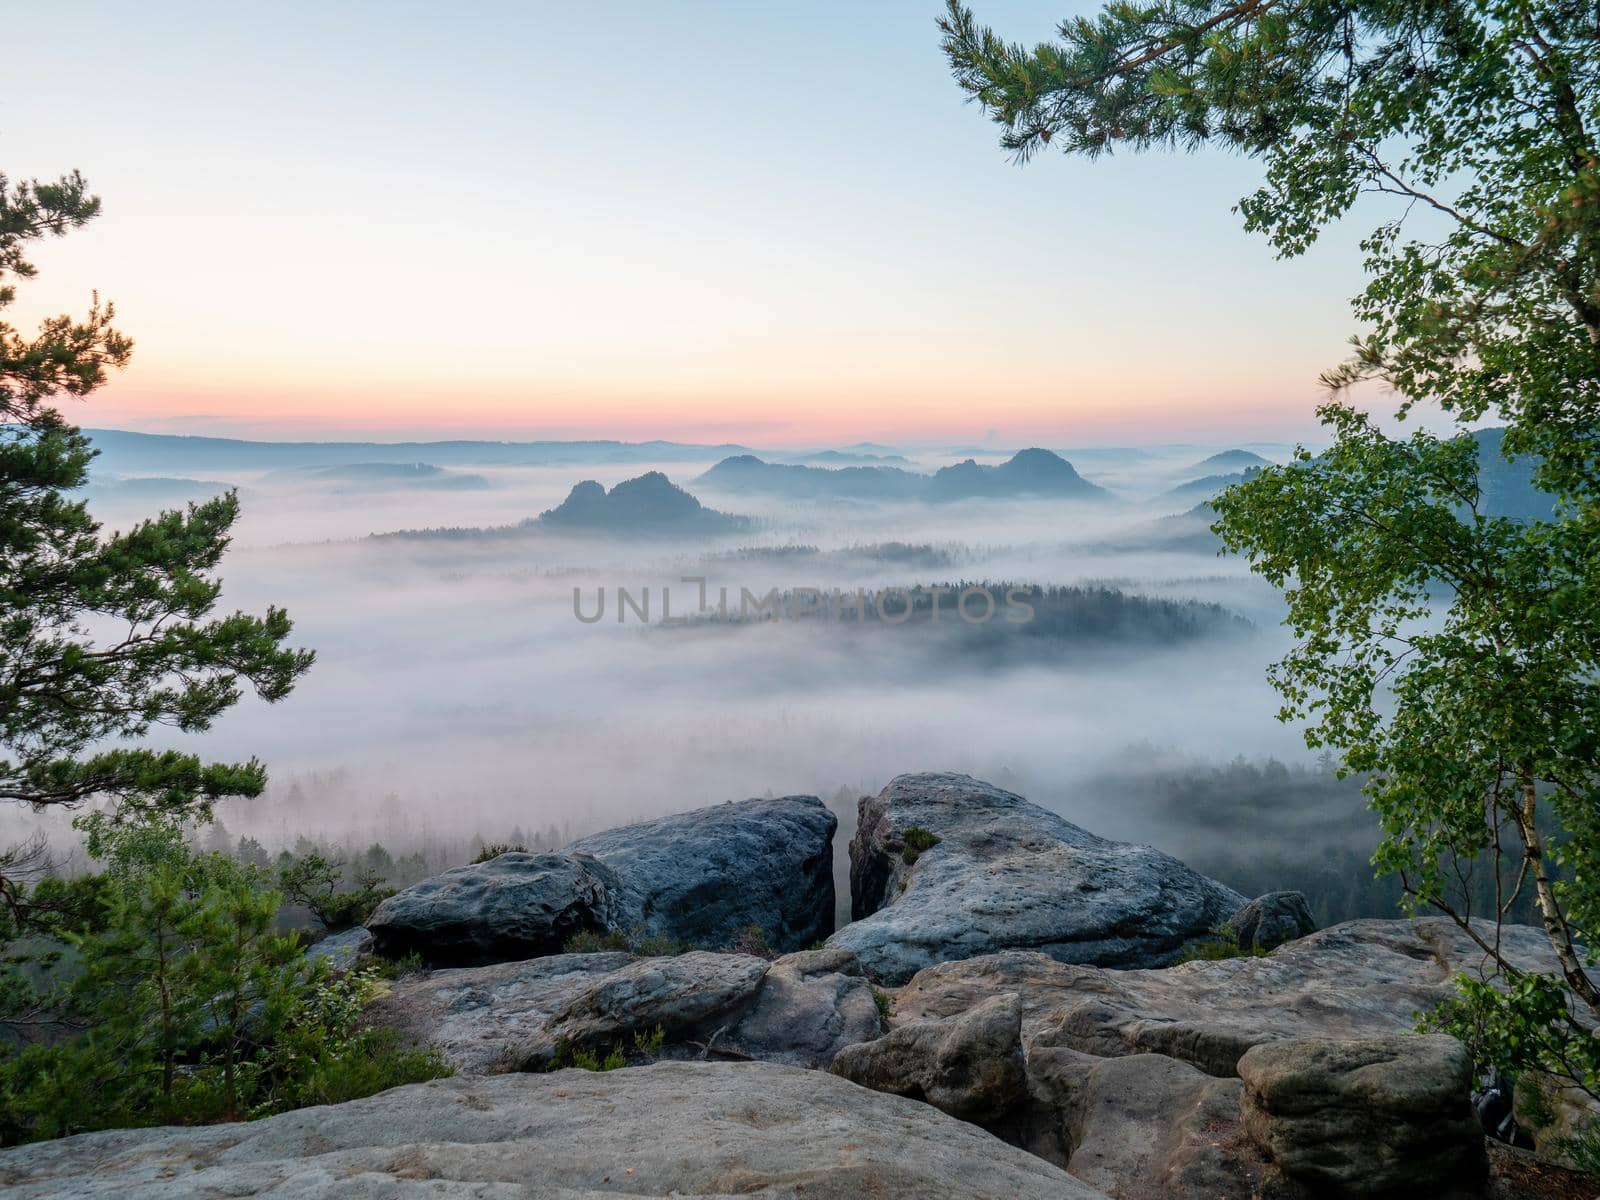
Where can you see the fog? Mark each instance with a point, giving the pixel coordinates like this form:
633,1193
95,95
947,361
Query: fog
456,696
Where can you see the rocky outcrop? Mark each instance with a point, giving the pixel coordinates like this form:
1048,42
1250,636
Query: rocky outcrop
1375,1117
673,1129
705,877
1358,979
1140,1125
511,907
526,1016
1133,1076
968,1066
807,1008
341,951
1270,920
1007,874
700,878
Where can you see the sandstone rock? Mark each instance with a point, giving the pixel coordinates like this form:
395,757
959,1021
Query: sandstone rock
969,1066
1365,1117
1357,979
341,951
515,906
673,1129
809,1006
516,1016
1268,921
704,877
687,996
1008,874
1141,1125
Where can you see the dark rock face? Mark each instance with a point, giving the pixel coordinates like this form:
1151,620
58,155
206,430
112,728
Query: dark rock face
515,906
672,1129
704,877
1375,1117
700,878
968,1066
1272,919
1007,874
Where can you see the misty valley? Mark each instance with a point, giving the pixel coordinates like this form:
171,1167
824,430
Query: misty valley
1081,642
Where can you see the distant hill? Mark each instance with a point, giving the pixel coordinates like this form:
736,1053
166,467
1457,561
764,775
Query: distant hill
146,453
391,476
1229,461
1507,485
648,505
1031,472
1207,487
1028,473
154,489
834,458
748,475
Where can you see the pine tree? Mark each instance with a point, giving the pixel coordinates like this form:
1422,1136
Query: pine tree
69,697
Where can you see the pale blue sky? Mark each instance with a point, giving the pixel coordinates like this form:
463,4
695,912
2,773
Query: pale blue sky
769,222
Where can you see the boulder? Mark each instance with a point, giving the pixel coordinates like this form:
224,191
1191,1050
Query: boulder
1007,874
703,878
810,1005
673,1129
520,1016
1141,1125
1268,921
699,879
1368,1117
515,906
341,951
1357,979
969,1066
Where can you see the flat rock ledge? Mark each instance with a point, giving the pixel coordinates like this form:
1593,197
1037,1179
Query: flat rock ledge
1006,874
799,1010
673,1129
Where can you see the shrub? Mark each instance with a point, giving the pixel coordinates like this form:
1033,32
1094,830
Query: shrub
916,840
318,882
633,941
188,1007
752,940
646,1047
490,853
1223,943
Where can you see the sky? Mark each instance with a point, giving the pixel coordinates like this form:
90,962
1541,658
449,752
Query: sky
777,224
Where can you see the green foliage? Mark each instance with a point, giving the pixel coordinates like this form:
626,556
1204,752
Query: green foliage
318,882
880,1000
916,839
1449,656
492,852
68,697
397,968
752,940
1222,944
632,941
594,941
645,1047
187,1006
